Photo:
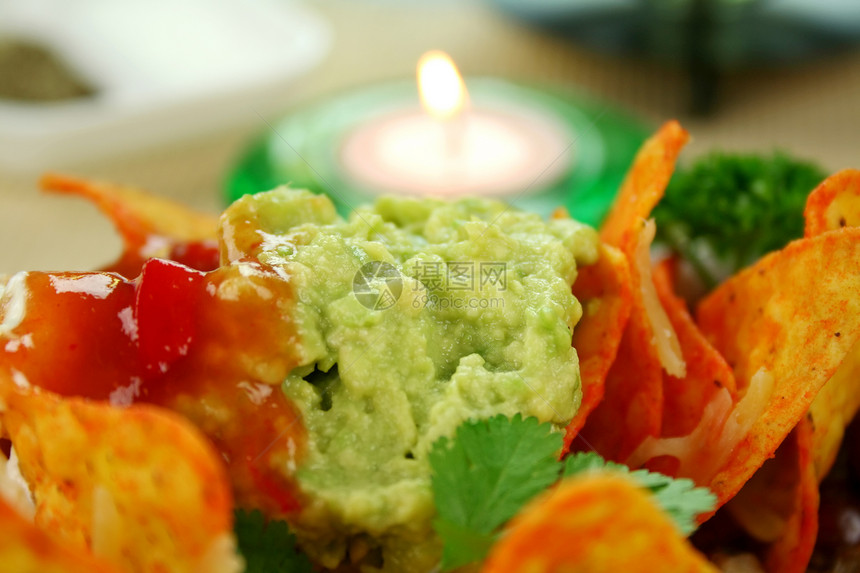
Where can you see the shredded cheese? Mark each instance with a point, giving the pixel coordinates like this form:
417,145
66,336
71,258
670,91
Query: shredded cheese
688,449
13,487
14,303
705,450
741,563
665,338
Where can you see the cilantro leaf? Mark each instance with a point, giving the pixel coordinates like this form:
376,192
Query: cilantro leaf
484,476
734,208
268,546
492,468
679,498
463,545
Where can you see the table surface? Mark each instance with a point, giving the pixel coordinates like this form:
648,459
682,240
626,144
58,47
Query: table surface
810,109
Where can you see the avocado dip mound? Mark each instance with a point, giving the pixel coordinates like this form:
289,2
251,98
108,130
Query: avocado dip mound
413,316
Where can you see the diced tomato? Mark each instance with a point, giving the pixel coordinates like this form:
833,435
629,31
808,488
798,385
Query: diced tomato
164,308
199,255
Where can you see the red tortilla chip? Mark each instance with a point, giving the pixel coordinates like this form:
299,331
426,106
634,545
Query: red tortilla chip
834,203
776,512
24,548
687,414
836,404
632,404
779,504
605,292
685,399
792,551
150,226
784,325
644,186
594,523
695,404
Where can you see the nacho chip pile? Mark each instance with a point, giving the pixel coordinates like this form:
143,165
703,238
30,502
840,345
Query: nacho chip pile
749,395
770,351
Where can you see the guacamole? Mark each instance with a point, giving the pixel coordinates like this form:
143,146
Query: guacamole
413,316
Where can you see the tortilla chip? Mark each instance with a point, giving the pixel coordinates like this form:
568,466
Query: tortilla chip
695,405
792,551
139,487
644,185
24,548
775,515
836,404
784,325
767,501
778,507
835,203
632,404
150,226
594,523
685,399
631,409
605,293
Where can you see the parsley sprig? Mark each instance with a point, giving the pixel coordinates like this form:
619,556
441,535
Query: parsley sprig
727,210
492,468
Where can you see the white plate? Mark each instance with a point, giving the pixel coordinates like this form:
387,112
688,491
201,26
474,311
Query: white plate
163,69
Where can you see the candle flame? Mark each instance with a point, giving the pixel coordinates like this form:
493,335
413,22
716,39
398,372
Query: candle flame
443,92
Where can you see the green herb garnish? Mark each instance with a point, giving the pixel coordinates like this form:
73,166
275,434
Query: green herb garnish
268,546
679,497
484,476
492,468
727,210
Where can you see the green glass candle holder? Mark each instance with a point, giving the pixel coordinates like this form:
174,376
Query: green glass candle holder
303,149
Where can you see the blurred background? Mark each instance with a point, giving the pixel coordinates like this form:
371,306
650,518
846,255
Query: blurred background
167,96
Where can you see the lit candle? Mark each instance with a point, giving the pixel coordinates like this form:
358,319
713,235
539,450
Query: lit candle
454,149
537,148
